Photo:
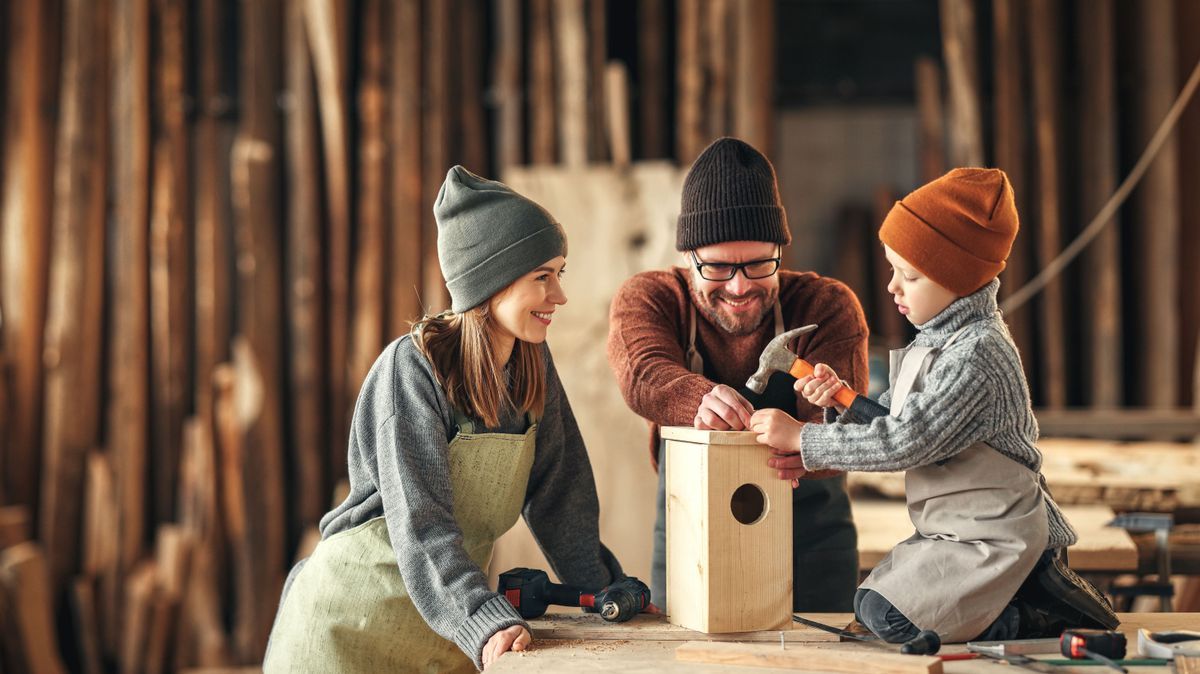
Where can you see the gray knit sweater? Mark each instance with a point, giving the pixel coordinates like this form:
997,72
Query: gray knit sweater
974,391
399,468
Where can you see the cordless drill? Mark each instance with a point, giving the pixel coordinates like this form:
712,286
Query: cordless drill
531,592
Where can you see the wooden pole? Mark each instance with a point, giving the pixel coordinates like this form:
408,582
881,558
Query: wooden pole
407,212
1098,180
506,78
1157,210
1043,26
1187,22
542,117
436,127
652,52
717,22
754,79
25,225
689,131
616,96
307,403
931,119
101,550
25,582
128,389
1011,140
260,555
76,293
85,621
570,41
962,75
473,136
367,333
597,51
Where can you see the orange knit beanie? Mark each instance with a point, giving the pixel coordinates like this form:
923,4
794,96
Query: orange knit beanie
957,230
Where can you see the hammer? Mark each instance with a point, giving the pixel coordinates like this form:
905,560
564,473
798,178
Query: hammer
778,358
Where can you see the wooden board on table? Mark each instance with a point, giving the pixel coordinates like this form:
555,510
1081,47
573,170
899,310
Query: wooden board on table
883,524
807,658
689,434
591,627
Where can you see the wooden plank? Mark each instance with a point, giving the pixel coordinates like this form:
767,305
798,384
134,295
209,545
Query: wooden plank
15,526
1188,18
506,79
689,97
705,437
306,404
754,75
171,293
652,46
259,555
807,658
570,42
85,620
407,210
1098,180
326,25
25,226
931,118
1011,139
25,579
1156,210
137,618
473,134
1044,35
129,338
101,517
75,309
1125,424
645,627
718,43
616,96
960,54
542,117
597,50
436,129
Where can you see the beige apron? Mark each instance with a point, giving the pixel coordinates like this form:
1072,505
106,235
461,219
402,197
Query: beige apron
347,609
980,523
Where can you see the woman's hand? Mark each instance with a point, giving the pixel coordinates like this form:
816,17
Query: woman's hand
819,387
515,638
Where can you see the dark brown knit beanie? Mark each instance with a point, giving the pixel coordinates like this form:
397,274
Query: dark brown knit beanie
730,194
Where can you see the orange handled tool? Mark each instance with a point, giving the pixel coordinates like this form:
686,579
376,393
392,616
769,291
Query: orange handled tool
844,397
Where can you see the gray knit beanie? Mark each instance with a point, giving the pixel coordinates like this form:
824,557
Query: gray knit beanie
489,236
730,194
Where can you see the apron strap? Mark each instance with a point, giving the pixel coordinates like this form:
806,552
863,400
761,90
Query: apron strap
911,366
695,362
464,423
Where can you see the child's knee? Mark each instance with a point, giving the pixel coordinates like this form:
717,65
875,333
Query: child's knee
884,620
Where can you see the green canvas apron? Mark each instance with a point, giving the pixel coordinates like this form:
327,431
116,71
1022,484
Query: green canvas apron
981,526
347,609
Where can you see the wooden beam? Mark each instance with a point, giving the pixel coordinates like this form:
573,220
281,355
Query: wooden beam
754,75
718,19
407,211
960,51
689,68
472,82
616,96
597,51
1011,139
260,555
570,41
542,117
436,129
129,337
138,617
86,622
25,582
1156,210
652,46
75,309
1120,424
1043,26
1098,180
506,78
1187,23
807,658
307,405
15,525
931,118
25,226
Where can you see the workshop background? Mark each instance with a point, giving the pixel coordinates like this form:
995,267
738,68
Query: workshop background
215,214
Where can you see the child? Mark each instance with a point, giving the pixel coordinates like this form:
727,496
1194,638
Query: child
987,559
459,428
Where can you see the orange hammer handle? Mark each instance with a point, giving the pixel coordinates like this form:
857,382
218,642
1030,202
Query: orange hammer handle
802,368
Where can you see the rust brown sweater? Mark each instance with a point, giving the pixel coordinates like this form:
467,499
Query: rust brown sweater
648,332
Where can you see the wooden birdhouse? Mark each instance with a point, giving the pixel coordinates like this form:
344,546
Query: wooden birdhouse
729,533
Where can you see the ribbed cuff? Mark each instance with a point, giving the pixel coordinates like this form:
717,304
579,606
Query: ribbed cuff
492,616
810,448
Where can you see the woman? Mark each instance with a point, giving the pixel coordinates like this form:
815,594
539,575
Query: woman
460,426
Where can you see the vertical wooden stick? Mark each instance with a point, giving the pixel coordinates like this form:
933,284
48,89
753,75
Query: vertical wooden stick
1188,19
962,74
717,24
473,135
931,119
651,79
436,132
597,49
25,582
571,51
616,95
506,78
754,78
406,215
689,132
542,117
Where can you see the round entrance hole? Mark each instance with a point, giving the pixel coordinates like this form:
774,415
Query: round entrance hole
749,503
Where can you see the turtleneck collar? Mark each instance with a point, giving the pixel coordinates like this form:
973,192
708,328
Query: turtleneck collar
976,306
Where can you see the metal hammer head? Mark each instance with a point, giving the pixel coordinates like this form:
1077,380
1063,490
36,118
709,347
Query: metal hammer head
775,358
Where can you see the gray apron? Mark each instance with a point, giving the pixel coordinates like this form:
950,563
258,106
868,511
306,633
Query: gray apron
347,609
981,526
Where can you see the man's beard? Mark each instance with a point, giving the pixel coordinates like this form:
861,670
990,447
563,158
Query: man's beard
737,325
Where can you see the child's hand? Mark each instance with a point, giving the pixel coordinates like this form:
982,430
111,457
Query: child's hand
777,430
819,387
515,638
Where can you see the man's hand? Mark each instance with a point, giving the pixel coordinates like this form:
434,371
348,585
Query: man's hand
780,432
819,387
515,638
723,409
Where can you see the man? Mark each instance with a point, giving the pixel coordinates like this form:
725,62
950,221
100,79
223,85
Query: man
683,342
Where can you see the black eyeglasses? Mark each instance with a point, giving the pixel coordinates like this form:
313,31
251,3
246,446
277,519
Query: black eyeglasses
724,271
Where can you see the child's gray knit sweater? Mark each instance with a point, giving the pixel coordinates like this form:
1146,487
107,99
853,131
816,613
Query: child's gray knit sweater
399,468
974,391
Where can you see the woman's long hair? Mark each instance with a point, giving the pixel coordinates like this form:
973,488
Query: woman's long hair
460,348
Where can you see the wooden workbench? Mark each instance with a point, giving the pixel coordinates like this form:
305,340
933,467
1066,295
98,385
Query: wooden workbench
639,646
